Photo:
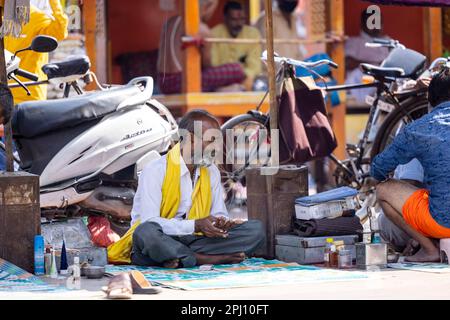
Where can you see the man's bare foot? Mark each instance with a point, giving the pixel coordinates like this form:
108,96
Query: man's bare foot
171,264
425,256
411,248
220,259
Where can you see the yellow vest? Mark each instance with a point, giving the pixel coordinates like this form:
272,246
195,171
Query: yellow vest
120,252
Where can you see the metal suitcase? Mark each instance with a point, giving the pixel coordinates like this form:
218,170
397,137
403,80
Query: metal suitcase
292,248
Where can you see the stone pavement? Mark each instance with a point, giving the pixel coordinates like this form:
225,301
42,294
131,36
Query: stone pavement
389,284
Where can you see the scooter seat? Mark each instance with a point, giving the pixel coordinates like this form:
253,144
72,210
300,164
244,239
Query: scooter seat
34,118
381,72
76,66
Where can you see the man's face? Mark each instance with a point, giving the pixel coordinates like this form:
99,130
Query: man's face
235,21
205,139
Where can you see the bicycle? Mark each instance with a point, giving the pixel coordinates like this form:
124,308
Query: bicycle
395,104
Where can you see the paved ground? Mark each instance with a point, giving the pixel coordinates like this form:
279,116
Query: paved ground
390,284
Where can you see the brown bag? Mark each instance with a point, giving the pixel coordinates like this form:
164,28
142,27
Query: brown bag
305,132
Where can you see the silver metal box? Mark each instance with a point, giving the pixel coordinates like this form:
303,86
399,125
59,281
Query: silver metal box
371,255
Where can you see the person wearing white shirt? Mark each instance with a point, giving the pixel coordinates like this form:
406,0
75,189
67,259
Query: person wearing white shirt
173,242
356,53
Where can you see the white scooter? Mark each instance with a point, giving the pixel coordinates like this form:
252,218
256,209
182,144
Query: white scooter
89,150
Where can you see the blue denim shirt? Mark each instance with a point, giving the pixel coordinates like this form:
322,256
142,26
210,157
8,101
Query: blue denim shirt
428,140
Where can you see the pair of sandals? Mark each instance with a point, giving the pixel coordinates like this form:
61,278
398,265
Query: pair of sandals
124,285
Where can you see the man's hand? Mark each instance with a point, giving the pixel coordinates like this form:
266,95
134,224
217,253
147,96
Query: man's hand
208,228
226,224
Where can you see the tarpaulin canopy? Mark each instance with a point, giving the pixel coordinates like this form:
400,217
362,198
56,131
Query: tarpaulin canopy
429,3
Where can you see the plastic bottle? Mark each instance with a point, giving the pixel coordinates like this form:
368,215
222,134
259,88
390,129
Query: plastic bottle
327,253
334,256
39,262
64,266
48,261
74,281
53,270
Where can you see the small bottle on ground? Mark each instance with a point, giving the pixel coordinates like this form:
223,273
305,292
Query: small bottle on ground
327,253
74,281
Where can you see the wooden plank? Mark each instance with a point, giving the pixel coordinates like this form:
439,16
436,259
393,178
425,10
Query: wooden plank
218,104
90,26
192,76
335,12
433,32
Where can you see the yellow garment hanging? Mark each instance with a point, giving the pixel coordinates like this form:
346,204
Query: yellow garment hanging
120,252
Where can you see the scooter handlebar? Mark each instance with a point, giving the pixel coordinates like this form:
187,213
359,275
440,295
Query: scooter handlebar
26,74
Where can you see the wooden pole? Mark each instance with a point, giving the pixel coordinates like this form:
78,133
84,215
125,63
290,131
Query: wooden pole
255,10
335,12
274,146
192,75
90,27
433,32
7,127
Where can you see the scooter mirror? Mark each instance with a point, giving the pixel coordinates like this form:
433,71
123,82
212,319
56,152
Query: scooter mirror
44,44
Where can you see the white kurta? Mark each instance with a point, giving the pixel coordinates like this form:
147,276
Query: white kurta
147,201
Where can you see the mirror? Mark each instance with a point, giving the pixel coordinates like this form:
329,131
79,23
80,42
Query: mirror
44,44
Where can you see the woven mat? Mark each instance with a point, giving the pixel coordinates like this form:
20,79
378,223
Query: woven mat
250,273
421,267
15,279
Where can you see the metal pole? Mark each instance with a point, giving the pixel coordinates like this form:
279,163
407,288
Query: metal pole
274,146
7,127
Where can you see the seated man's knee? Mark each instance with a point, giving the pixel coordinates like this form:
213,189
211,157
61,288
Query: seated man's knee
381,191
256,230
147,232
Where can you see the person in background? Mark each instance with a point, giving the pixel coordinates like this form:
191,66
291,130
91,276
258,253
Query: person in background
171,62
357,53
285,26
40,24
422,213
248,55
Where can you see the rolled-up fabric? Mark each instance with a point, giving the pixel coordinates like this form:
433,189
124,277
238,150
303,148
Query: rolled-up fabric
328,227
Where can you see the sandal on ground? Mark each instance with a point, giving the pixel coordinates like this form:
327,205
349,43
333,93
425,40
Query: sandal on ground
141,285
119,287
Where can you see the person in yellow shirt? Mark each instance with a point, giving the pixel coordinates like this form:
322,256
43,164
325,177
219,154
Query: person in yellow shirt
234,27
40,24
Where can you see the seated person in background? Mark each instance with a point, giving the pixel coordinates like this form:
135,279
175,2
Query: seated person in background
357,53
423,214
171,62
179,204
248,55
285,26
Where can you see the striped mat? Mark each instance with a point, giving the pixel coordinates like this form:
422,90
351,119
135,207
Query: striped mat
15,279
253,272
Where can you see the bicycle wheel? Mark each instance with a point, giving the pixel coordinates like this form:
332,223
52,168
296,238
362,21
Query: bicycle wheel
246,144
409,111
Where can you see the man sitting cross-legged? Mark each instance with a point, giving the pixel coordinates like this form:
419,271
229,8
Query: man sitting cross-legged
424,214
179,209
